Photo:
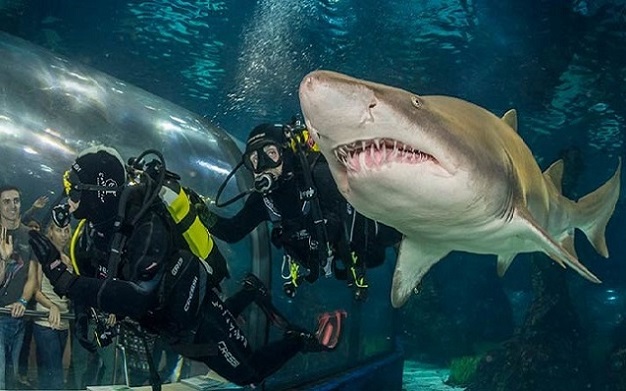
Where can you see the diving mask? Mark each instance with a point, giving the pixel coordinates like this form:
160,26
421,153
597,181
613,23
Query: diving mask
263,158
73,187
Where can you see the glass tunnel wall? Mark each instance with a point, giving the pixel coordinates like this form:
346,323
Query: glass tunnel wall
368,330
51,108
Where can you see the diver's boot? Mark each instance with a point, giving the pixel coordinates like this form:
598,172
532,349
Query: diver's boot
325,338
310,342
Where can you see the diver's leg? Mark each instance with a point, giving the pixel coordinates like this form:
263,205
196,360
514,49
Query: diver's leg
240,300
233,357
253,290
271,357
355,268
220,343
356,277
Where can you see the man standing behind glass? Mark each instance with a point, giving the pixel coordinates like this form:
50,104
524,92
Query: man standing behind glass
17,279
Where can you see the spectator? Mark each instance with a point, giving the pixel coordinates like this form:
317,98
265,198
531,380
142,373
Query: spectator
17,279
51,332
23,379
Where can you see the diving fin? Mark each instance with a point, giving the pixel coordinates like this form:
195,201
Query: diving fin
328,331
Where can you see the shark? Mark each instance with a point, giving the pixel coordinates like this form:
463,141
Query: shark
449,175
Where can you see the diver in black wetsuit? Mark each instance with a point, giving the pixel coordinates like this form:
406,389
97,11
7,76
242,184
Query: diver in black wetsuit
136,266
290,188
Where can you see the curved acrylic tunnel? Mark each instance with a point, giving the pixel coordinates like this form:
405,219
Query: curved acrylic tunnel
51,109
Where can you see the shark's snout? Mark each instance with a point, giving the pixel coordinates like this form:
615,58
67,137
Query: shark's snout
318,79
314,86
331,101
309,82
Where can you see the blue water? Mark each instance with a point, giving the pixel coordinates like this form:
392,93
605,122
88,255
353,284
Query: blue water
561,64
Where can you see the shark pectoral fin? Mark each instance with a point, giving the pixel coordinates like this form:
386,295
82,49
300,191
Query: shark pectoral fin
550,247
504,261
414,260
568,245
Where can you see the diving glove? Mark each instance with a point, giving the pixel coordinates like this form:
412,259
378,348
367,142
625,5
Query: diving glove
51,264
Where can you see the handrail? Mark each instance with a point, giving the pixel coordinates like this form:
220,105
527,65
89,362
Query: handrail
35,314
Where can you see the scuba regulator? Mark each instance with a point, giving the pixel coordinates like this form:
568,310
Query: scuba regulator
264,152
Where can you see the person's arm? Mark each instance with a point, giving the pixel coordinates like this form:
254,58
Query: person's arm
3,266
18,308
131,294
233,229
54,316
37,205
6,250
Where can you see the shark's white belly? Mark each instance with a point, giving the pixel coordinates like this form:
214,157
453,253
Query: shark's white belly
494,237
451,218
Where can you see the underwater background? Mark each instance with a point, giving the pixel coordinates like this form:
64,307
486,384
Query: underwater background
561,64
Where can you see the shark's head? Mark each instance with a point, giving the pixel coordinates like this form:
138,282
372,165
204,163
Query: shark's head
395,155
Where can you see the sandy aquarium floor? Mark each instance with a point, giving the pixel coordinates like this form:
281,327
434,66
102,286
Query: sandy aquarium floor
425,377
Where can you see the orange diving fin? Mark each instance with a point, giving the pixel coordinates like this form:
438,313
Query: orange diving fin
329,328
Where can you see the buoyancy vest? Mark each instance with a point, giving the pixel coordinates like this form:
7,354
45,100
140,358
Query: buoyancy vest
178,207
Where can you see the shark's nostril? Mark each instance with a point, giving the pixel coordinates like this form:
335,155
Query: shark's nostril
308,82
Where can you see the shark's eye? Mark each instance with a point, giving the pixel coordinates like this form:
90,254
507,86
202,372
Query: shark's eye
416,101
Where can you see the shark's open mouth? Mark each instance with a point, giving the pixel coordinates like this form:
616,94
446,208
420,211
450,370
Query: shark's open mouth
368,154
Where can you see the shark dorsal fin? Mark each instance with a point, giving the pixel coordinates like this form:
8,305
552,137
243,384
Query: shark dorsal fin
510,117
554,174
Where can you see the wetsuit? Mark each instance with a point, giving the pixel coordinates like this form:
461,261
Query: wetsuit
293,225
172,294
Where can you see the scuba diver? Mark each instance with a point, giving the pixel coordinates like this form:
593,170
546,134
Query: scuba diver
311,221
141,252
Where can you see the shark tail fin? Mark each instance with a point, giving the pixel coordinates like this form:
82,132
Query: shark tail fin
593,211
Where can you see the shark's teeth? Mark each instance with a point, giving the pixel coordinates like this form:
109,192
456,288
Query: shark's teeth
371,154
